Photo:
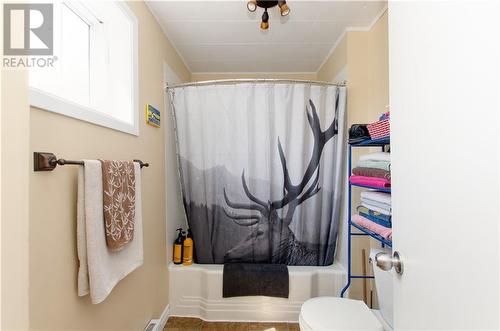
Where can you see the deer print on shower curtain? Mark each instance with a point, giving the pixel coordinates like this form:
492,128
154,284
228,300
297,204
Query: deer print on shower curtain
271,240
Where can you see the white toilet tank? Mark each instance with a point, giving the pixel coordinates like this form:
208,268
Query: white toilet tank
383,284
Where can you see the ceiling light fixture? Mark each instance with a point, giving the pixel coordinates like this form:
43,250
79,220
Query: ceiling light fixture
253,4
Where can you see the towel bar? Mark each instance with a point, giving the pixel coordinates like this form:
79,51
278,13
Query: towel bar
48,162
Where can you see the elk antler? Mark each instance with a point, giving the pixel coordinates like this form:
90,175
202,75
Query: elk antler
249,219
258,205
293,195
312,190
262,205
292,192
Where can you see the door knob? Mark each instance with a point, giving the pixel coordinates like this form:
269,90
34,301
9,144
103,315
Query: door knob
385,262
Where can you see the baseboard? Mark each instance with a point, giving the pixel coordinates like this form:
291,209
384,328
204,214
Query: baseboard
163,318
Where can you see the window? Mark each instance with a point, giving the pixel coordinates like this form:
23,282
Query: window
94,77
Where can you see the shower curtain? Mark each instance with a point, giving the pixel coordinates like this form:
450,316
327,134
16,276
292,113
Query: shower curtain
260,167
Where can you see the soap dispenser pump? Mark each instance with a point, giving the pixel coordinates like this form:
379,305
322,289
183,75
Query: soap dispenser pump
178,247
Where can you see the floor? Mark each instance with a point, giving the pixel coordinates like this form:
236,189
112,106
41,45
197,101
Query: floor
195,324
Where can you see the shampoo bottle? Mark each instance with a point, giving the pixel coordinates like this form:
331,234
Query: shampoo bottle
178,248
187,254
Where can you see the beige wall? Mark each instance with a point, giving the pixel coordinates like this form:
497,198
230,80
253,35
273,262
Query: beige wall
15,165
53,262
335,62
39,244
368,72
274,75
365,54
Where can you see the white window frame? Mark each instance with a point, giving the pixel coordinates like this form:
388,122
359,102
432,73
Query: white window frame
53,103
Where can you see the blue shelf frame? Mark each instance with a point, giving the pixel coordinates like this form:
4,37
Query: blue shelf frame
381,142
380,189
372,234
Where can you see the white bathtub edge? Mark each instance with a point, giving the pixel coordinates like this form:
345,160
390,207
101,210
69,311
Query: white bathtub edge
196,291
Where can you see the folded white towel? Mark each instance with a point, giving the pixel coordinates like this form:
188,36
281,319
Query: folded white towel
378,204
377,196
373,207
380,156
101,269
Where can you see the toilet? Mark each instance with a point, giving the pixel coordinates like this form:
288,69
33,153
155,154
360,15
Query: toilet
334,313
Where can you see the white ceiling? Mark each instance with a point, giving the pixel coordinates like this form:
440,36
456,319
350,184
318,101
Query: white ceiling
223,36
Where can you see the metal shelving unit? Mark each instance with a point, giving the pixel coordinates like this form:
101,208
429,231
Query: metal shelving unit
382,142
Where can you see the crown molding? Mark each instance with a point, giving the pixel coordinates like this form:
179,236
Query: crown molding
349,29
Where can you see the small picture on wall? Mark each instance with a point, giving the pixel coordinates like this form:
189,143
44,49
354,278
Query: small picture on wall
152,116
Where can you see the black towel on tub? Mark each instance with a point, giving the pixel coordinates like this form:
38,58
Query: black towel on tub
247,279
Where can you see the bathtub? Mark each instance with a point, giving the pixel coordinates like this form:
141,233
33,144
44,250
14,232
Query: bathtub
196,291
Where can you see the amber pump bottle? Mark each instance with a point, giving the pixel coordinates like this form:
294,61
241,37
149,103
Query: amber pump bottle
178,243
187,253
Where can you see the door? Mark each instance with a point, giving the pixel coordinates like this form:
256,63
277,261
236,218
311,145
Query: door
443,63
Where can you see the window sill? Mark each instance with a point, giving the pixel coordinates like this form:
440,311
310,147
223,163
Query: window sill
52,103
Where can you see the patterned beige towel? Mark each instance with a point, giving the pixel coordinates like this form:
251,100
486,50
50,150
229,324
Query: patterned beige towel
118,183
100,268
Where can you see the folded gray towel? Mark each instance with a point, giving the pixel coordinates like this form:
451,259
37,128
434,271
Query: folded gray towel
246,279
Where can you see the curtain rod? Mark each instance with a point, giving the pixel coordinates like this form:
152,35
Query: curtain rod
249,80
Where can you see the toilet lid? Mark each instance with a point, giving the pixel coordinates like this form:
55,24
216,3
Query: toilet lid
330,313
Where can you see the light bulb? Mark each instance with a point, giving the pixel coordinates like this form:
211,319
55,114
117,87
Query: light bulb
264,25
284,9
252,5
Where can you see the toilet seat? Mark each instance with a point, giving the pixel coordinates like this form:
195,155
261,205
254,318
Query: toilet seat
330,314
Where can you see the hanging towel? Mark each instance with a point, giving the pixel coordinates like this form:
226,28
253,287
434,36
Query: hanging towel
372,226
370,181
384,165
380,156
376,208
100,268
372,172
380,197
118,182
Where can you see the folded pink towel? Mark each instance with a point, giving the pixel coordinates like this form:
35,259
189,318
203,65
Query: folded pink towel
370,181
372,226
